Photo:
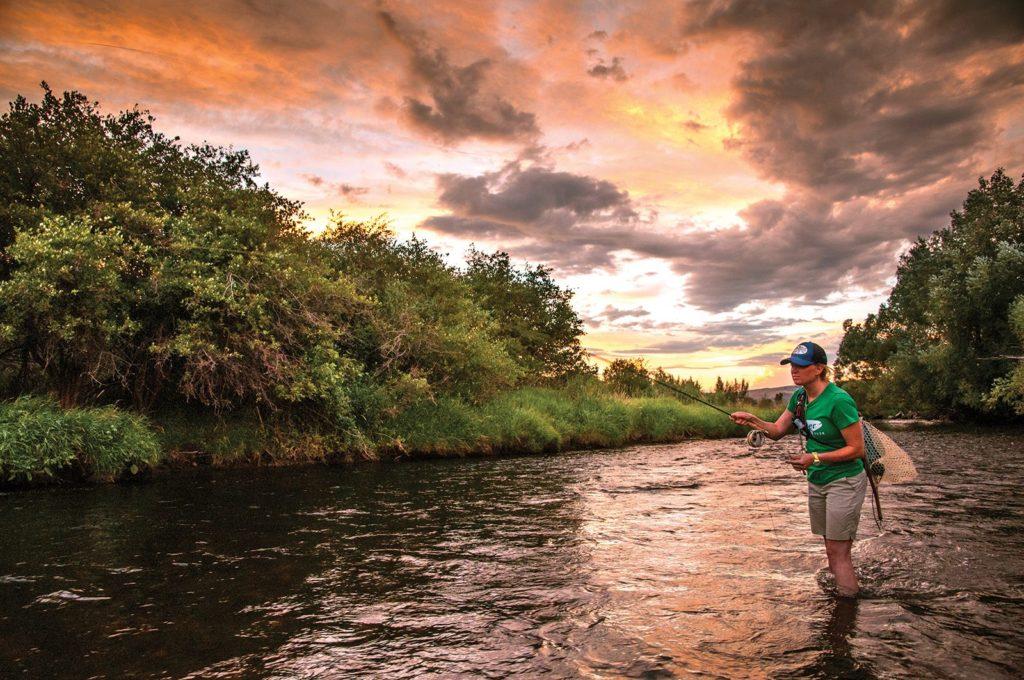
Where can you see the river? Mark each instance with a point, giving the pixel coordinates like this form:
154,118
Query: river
657,561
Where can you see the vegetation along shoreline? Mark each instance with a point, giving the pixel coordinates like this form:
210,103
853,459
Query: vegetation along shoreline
159,306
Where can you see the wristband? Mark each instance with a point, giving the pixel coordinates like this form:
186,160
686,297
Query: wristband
817,461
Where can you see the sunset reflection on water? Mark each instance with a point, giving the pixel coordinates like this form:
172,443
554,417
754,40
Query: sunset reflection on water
657,561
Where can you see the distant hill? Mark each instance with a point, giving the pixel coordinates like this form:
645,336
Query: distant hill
770,392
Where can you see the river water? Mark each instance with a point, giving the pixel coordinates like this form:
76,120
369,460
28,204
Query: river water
659,561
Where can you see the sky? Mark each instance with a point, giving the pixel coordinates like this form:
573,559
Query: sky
716,180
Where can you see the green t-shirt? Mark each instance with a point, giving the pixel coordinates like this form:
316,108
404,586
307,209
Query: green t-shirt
827,414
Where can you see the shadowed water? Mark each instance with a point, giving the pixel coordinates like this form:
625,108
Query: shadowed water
647,562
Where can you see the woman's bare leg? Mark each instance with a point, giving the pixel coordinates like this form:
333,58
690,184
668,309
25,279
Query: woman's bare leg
840,563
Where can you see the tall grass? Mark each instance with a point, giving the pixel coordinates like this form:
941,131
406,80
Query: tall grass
39,441
539,419
191,437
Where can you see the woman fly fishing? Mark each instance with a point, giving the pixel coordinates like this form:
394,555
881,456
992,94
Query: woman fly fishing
832,459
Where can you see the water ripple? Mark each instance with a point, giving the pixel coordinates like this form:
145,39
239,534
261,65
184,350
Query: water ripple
660,561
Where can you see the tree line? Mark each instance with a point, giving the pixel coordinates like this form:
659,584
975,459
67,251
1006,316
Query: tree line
142,272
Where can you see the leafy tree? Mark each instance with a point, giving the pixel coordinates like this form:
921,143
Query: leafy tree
1009,389
933,347
424,324
135,267
534,314
629,377
732,391
63,157
688,385
66,304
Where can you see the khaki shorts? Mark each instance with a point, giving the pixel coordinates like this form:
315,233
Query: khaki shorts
835,507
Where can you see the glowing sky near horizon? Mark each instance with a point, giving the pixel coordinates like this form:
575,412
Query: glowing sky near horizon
717,180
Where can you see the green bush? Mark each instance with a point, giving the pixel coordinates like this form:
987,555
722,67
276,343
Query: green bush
38,439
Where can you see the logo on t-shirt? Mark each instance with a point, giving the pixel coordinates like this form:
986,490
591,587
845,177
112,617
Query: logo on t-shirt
814,425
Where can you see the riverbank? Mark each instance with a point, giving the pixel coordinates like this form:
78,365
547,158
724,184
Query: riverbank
41,443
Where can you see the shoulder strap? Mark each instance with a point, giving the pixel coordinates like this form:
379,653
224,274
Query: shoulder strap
800,417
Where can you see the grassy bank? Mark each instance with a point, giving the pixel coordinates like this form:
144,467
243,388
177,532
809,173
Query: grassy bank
41,442
536,420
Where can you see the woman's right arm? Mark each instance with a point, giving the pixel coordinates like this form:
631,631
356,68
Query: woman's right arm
777,430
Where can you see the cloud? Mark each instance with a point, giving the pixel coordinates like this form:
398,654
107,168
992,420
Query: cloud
801,248
727,333
793,249
612,313
350,191
866,113
683,346
519,195
866,117
461,103
761,359
343,189
395,170
860,99
570,221
613,70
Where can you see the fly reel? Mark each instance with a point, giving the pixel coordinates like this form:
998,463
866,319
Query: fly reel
756,438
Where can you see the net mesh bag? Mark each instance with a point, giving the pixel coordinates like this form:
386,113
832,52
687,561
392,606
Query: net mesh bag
889,463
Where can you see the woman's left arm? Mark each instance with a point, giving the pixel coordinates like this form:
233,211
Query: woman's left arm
853,435
854,438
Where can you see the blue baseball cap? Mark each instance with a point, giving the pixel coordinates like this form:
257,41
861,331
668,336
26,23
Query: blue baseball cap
805,354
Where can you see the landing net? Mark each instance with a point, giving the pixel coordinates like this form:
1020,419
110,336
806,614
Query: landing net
889,463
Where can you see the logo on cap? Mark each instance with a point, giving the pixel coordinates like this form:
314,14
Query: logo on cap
799,349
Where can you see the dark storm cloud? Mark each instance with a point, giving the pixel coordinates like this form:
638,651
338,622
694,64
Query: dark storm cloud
854,99
569,221
533,194
803,248
613,70
461,104
865,112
